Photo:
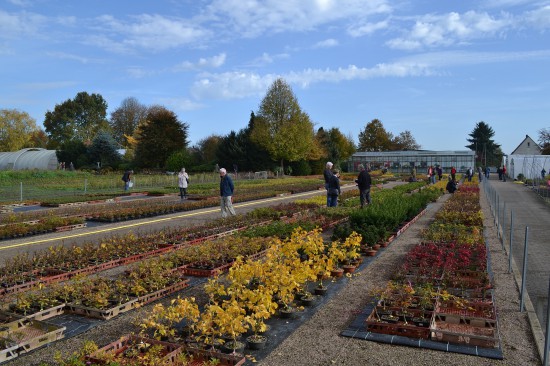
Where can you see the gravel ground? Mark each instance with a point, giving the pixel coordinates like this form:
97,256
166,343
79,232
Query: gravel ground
317,341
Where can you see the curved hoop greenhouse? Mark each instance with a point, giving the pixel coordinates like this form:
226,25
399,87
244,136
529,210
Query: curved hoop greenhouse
28,159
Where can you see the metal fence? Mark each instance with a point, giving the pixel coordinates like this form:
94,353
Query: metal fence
42,191
514,235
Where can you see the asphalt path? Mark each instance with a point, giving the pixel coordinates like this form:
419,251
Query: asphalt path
529,211
95,232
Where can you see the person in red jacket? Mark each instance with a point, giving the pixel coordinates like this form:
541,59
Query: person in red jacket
503,171
453,173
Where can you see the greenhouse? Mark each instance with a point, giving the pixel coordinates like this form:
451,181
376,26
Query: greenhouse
404,161
28,159
530,166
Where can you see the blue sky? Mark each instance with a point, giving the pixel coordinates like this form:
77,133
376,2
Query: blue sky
435,68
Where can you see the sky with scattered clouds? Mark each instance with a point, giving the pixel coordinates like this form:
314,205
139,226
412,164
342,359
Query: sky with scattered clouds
435,68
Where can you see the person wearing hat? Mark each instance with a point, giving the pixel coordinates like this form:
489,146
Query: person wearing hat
327,173
364,182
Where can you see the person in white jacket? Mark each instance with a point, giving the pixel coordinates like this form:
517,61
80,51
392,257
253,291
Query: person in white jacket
183,183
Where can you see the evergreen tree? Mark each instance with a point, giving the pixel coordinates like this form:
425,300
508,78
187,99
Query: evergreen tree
488,153
104,149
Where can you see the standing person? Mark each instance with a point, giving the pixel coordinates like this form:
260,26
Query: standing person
499,172
333,189
470,174
487,172
439,172
183,182
327,173
543,173
226,193
503,172
453,173
127,179
480,173
364,182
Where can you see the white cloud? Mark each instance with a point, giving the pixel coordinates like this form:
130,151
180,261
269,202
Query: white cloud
150,32
203,63
69,56
327,43
454,58
367,28
236,85
452,28
13,26
47,86
182,104
254,17
539,18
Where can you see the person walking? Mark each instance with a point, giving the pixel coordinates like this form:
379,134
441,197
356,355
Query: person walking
333,189
543,173
127,179
470,174
439,172
364,182
503,173
183,183
226,194
327,173
487,172
480,173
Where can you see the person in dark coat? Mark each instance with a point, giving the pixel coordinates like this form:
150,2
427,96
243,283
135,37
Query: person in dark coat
364,182
451,185
226,193
327,173
333,189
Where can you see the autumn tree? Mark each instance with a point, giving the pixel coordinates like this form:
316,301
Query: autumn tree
405,141
282,128
488,152
337,148
544,141
125,120
16,130
77,119
158,137
374,137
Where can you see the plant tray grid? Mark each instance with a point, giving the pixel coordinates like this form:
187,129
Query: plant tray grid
201,357
9,353
117,347
478,310
399,328
104,314
47,313
178,286
199,272
33,334
465,334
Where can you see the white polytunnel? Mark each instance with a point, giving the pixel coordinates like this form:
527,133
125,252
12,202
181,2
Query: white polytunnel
28,159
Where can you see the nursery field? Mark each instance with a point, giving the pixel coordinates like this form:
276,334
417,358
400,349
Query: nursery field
191,290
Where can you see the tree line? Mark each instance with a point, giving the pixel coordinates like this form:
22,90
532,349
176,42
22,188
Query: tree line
279,136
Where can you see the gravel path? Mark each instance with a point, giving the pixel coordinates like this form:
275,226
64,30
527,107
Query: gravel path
317,341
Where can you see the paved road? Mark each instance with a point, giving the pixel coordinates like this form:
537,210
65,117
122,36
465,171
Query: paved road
95,232
529,210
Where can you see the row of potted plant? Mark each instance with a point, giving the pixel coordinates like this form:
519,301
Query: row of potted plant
453,274
253,292
41,226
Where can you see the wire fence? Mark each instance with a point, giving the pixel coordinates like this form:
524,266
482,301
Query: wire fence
43,190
